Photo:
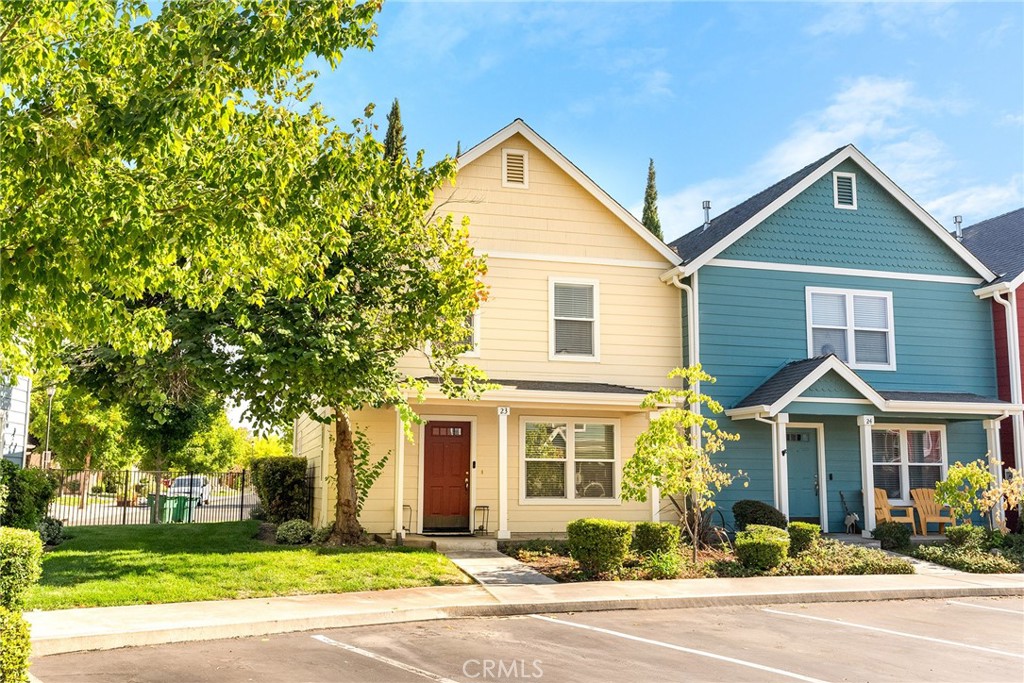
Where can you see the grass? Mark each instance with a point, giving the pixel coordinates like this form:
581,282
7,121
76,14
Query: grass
131,565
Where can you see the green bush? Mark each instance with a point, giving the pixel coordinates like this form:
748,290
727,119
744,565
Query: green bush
28,495
761,546
829,557
747,512
599,546
532,548
893,535
321,535
73,486
655,537
96,489
51,531
258,513
111,483
967,536
967,559
802,536
21,554
295,532
281,486
15,647
667,564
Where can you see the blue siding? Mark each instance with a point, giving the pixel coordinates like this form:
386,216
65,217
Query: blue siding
831,385
879,235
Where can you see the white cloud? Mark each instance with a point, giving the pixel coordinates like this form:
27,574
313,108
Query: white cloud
978,202
895,19
879,115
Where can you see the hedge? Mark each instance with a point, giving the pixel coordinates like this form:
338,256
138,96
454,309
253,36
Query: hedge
294,532
29,492
21,555
15,646
655,538
599,545
892,535
802,536
747,512
967,536
281,486
762,547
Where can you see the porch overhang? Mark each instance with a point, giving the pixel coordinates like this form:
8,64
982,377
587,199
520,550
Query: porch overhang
540,392
790,384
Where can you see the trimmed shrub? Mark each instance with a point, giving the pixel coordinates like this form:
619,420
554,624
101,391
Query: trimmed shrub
655,537
295,532
15,647
73,486
967,559
662,565
21,556
28,495
762,547
967,536
321,535
802,536
281,486
97,489
747,512
51,531
599,546
893,535
829,557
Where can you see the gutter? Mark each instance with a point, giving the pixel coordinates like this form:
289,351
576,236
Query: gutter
1008,300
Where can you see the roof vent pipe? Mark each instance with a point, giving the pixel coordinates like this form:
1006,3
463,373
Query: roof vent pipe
958,220
707,214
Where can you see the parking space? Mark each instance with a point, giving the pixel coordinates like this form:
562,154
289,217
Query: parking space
931,641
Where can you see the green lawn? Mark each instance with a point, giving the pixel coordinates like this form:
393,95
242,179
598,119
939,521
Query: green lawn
130,565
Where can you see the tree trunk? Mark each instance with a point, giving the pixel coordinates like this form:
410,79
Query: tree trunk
85,482
346,523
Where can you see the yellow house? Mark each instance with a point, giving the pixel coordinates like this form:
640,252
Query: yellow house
577,327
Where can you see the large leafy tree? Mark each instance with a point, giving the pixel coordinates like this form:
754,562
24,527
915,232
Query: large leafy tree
152,156
85,433
218,448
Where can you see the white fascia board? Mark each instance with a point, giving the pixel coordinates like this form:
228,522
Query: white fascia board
1009,286
508,395
848,152
748,413
520,127
952,407
830,365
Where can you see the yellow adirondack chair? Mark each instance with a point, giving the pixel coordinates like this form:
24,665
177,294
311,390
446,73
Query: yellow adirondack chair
883,511
928,510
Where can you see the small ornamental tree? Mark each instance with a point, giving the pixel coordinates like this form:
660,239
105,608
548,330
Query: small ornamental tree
963,490
394,137
650,215
674,453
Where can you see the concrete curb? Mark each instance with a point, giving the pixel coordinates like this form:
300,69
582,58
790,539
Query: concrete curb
239,629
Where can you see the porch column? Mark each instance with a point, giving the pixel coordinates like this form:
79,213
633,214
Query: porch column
399,531
781,420
655,504
503,412
867,473
995,462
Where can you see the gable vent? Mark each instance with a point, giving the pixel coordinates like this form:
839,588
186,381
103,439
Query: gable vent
845,190
515,168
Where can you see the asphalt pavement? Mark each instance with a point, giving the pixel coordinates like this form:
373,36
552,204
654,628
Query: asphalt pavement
932,641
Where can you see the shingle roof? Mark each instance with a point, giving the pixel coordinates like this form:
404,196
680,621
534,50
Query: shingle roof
940,396
999,243
779,384
696,242
551,385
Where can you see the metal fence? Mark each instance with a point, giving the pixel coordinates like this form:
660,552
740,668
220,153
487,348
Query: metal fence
86,497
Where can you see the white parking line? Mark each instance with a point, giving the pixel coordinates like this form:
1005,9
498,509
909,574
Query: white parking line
994,609
896,633
680,648
386,660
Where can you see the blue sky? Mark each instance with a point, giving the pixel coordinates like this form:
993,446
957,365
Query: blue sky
726,97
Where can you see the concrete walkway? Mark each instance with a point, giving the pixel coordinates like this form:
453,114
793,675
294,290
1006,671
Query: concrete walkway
104,628
491,568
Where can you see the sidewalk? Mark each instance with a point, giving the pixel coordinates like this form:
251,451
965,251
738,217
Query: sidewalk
104,628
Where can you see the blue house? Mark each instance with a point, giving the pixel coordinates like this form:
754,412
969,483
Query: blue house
850,349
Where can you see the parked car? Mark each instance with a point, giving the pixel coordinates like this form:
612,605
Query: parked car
194,486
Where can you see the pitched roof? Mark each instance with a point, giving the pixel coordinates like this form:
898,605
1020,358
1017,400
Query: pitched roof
519,127
699,246
780,384
937,396
999,243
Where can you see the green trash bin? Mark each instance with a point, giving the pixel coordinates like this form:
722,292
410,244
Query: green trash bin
181,505
159,511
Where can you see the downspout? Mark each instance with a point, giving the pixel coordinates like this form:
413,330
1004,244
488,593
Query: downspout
1014,361
775,449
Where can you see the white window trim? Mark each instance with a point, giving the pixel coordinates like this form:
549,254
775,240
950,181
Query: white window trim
835,189
570,459
475,351
525,185
572,358
850,329
905,499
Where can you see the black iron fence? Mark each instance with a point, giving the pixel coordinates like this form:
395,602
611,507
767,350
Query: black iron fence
90,497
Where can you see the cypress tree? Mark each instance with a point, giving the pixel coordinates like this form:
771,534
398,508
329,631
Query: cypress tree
650,216
394,139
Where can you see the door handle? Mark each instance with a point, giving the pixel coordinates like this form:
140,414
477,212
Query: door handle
467,481
817,488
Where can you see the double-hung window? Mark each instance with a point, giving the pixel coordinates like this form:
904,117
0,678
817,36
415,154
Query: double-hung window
906,458
574,331
856,325
566,460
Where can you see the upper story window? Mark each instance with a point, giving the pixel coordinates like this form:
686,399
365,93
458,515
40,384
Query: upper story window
515,168
567,460
844,190
856,325
905,458
574,333
472,339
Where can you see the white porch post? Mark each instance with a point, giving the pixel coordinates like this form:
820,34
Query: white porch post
655,504
995,464
398,533
781,420
867,473
503,412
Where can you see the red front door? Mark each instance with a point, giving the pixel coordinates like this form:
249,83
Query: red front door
446,476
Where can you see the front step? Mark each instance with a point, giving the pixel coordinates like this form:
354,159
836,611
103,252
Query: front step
463,543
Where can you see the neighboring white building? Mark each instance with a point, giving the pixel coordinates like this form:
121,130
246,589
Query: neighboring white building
14,413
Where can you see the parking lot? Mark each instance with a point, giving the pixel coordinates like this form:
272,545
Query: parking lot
969,639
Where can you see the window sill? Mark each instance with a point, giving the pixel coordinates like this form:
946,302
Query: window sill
567,501
574,359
